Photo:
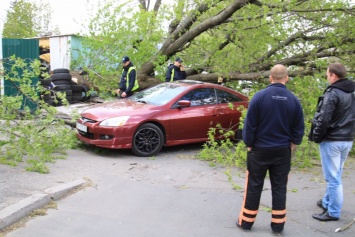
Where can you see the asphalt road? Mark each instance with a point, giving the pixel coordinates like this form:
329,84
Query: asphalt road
171,195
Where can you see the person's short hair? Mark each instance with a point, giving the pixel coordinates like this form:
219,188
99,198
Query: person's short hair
178,60
338,69
125,59
278,72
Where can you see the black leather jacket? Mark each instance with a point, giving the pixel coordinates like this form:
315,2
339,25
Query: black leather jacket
334,119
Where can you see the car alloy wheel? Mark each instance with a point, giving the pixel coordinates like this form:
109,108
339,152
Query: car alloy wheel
147,140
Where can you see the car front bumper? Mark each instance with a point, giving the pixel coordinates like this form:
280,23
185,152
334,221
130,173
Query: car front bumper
106,137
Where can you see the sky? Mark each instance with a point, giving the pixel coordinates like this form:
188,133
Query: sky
65,13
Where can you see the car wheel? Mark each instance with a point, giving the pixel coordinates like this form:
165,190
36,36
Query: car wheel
147,140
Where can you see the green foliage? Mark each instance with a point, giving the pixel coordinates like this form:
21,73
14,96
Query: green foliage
27,19
115,31
32,136
272,32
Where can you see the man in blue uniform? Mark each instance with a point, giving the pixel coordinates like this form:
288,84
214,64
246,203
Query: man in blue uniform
274,125
128,82
175,71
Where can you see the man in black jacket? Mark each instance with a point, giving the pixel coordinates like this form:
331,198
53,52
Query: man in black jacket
175,71
333,127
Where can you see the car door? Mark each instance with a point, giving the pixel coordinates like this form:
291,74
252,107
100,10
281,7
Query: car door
192,123
227,116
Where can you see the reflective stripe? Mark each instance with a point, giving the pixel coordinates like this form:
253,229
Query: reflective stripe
172,75
244,218
278,212
250,211
278,221
136,85
245,194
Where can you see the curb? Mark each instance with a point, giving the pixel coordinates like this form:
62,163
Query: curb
17,211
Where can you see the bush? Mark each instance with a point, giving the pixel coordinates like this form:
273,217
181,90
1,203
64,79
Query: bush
35,136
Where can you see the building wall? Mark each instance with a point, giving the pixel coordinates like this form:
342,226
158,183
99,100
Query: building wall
63,50
60,50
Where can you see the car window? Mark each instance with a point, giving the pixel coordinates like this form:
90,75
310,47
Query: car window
159,94
201,96
226,97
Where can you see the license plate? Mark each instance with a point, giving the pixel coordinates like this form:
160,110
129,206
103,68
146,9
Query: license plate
81,127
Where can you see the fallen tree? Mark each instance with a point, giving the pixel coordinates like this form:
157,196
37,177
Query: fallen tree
236,40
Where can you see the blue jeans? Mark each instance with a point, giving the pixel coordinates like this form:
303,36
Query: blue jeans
333,155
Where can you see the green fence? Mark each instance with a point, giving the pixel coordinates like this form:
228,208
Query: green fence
27,49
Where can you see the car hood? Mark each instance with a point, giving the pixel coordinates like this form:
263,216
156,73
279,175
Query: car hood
122,107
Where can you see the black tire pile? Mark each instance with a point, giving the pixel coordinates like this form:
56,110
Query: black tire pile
60,81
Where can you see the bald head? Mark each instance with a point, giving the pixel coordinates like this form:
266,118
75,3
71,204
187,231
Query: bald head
278,73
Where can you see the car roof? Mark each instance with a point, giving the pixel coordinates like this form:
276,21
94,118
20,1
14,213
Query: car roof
189,83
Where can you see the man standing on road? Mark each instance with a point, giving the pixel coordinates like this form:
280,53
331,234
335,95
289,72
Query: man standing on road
175,71
274,125
128,82
333,127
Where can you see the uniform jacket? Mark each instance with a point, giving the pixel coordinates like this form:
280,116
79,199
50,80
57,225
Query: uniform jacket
334,119
274,119
131,77
178,74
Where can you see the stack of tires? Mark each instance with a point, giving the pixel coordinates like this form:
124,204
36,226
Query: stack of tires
79,93
61,79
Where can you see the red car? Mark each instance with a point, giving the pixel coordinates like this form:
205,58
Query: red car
167,114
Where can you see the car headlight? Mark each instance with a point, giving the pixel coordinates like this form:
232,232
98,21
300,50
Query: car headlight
115,122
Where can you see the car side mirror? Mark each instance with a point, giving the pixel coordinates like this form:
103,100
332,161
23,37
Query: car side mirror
184,103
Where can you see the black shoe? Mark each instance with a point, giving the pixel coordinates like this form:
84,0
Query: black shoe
320,204
240,227
324,217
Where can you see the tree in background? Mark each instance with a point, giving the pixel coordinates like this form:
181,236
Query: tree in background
233,39
27,19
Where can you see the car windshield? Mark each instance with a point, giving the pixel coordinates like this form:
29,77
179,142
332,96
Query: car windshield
159,94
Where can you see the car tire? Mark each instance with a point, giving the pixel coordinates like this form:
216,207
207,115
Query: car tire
61,70
61,82
62,88
61,76
45,82
148,140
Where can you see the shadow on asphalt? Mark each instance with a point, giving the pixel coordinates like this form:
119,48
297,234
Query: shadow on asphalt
126,153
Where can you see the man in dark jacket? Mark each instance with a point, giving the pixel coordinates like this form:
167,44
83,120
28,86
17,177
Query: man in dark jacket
128,82
175,71
333,127
274,125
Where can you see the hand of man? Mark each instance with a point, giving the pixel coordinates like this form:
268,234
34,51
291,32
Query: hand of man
123,94
293,146
118,91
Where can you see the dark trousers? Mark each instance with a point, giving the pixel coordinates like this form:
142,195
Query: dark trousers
278,162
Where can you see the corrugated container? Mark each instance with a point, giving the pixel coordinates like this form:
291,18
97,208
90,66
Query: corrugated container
27,49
